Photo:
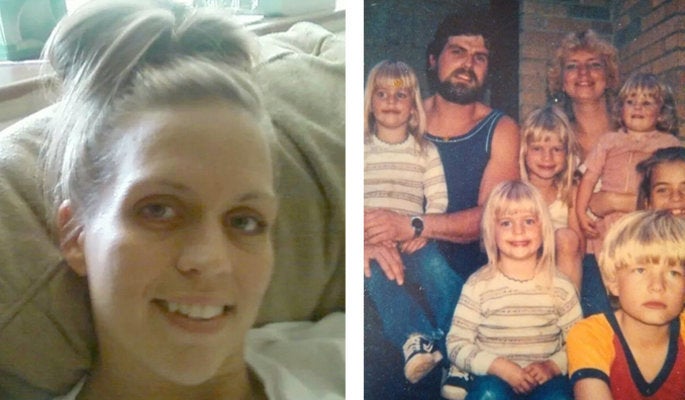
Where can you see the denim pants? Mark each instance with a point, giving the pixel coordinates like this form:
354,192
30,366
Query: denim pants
424,304
593,294
490,387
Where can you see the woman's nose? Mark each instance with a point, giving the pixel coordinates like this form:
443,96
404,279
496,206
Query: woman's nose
207,251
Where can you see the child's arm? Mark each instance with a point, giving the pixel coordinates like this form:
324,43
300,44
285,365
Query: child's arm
434,185
573,222
603,203
587,184
591,389
590,355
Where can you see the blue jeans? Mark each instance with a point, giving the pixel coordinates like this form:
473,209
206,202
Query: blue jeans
490,387
593,294
424,304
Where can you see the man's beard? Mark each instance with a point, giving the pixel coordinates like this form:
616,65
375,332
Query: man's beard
461,93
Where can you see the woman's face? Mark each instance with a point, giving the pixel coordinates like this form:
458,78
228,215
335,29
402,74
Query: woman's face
667,187
178,251
584,76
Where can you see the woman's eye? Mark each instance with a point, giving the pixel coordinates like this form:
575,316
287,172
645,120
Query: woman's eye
380,94
530,221
571,67
248,224
505,223
402,95
158,212
596,66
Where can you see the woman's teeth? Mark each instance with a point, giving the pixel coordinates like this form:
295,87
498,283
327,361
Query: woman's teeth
195,311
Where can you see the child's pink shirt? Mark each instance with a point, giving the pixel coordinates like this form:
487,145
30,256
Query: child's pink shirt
615,157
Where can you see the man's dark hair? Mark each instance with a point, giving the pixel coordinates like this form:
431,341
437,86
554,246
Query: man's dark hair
470,22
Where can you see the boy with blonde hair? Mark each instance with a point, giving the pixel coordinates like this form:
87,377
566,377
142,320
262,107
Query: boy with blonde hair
637,351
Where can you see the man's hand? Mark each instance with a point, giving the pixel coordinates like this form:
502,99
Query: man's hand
413,245
382,225
388,258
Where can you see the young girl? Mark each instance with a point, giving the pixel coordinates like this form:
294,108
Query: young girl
160,180
403,173
548,160
645,113
663,181
509,327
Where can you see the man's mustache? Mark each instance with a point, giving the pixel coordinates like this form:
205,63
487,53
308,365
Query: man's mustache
464,71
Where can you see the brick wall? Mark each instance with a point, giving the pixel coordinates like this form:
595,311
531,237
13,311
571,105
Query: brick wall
650,37
543,23
649,34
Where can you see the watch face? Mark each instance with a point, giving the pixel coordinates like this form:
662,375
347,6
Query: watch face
417,223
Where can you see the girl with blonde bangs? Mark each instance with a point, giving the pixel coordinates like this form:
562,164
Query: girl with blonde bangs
539,126
399,75
404,173
513,198
649,86
508,333
548,160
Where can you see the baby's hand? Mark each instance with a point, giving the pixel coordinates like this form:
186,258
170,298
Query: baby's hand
542,371
587,226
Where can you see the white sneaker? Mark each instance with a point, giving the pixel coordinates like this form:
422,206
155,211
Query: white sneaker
420,357
454,387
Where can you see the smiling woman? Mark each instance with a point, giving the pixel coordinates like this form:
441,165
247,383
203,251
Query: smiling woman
166,230
177,261
159,174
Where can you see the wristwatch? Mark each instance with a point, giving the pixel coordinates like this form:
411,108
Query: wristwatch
417,224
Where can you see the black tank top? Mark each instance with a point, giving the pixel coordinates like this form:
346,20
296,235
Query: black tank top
464,159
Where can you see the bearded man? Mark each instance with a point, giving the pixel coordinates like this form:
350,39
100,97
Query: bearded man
479,148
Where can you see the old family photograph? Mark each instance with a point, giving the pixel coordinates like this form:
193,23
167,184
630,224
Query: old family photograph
524,200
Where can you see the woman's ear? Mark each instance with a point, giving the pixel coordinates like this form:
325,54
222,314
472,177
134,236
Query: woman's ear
71,239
